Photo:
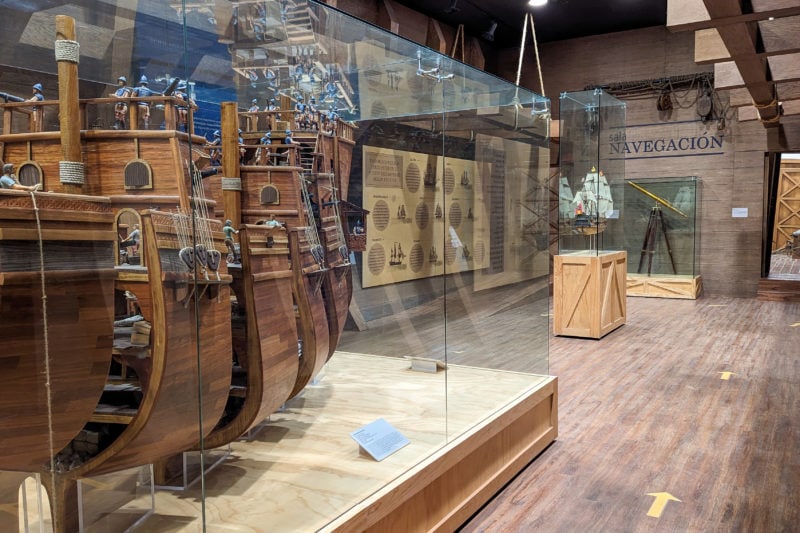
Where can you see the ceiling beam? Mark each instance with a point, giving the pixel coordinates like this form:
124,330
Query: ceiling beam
689,15
742,40
791,107
779,36
741,96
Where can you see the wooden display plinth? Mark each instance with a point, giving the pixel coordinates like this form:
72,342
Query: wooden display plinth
589,293
443,491
683,287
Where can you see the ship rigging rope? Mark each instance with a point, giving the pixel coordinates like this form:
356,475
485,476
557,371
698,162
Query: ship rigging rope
71,172
47,387
67,50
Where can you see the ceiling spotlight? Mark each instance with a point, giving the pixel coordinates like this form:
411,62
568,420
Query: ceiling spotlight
537,3
489,34
453,7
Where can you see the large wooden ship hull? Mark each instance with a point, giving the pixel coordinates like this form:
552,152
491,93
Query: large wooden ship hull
172,415
304,291
312,315
337,285
265,341
334,157
178,362
54,362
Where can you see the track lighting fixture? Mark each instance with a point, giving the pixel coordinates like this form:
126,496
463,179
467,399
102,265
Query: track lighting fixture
489,34
453,7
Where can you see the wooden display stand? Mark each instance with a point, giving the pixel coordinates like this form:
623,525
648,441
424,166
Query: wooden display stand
589,293
665,286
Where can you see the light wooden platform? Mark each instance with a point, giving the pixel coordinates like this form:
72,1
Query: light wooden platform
303,470
589,293
664,286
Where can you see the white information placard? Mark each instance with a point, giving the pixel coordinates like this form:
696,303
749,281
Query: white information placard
739,212
379,439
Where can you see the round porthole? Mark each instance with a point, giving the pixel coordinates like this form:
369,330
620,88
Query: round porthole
138,175
29,173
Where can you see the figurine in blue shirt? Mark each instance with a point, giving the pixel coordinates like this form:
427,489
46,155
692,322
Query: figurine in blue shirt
143,91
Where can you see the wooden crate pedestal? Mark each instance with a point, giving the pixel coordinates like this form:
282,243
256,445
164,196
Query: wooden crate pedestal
683,287
589,293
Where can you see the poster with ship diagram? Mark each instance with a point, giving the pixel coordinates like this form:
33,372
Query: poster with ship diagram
423,218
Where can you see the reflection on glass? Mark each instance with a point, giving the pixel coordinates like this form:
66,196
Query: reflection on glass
262,220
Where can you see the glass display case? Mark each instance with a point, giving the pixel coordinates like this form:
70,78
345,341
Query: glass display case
592,179
662,236
176,270
589,269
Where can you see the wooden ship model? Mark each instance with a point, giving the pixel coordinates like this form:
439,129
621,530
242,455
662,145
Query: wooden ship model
293,284
283,185
119,336
585,213
151,320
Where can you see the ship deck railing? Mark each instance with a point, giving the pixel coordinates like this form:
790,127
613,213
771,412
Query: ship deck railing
95,113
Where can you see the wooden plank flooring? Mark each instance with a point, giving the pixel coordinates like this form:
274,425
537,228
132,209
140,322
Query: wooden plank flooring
784,266
645,410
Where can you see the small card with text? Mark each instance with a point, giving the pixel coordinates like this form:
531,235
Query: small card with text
379,439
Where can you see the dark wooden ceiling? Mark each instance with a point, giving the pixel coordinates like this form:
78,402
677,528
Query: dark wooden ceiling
559,19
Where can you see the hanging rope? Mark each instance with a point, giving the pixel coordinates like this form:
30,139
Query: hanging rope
536,51
48,389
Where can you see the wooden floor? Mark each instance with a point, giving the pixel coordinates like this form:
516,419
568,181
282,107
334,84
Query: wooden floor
784,266
649,410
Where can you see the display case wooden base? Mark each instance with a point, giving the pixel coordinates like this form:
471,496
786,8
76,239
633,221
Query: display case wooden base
589,293
443,491
682,287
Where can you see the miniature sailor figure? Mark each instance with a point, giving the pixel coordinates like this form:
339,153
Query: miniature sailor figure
300,106
121,108
143,91
358,229
264,149
272,223
8,181
331,91
330,121
300,110
229,231
288,140
313,114
183,104
38,112
133,240
242,149
326,126
252,120
272,106
216,153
